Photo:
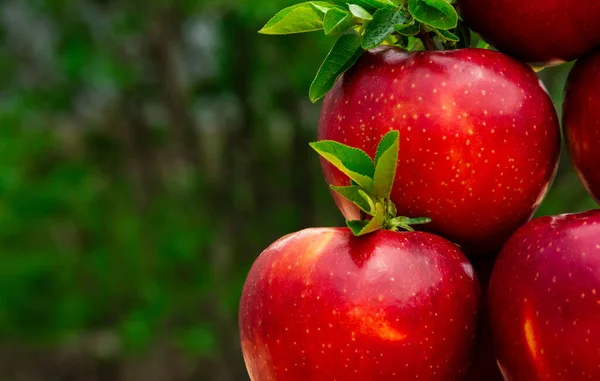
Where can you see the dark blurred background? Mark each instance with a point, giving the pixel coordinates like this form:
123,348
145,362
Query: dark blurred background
149,150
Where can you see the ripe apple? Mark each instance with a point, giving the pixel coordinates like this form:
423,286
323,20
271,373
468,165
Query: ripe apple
545,300
536,31
581,120
324,305
479,138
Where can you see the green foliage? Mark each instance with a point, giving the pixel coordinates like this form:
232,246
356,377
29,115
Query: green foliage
353,162
447,35
383,24
386,162
408,29
357,196
369,23
337,20
381,4
360,12
363,227
436,13
299,18
371,183
343,55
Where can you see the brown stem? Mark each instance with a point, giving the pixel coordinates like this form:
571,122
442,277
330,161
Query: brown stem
427,43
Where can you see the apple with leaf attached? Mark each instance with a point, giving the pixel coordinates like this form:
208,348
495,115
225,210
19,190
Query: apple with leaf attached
367,302
480,146
479,132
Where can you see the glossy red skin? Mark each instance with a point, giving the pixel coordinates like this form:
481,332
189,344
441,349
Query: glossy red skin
484,366
479,138
581,121
536,31
545,300
323,305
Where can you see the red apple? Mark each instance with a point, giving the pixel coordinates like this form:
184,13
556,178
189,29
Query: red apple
545,300
581,120
324,305
479,137
536,31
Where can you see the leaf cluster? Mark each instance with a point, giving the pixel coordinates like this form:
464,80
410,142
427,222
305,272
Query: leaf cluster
371,182
365,24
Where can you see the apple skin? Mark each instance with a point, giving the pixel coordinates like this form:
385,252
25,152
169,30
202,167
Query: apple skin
323,305
581,121
545,32
479,138
545,300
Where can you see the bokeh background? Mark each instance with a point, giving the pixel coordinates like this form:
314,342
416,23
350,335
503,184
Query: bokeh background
149,150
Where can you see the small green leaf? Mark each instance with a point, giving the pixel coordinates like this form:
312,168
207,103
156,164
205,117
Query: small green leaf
386,162
342,56
414,44
353,162
362,3
381,4
387,142
447,35
299,18
402,222
322,7
409,29
383,24
357,196
337,20
368,226
436,13
481,44
359,12
419,220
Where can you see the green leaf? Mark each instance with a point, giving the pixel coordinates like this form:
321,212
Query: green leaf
386,162
342,56
359,228
418,220
383,24
414,44
359,12
436,13
402,222
387,142
409,29
357,196
299,18
447,35
337,20
381,4
481,44
362,3
323,7
353,162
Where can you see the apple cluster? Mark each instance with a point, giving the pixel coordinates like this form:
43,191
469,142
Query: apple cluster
438,154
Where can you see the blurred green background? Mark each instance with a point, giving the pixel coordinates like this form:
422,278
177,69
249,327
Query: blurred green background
148,152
